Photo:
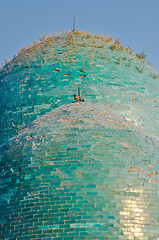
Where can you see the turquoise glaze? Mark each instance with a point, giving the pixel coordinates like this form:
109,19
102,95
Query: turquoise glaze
74,170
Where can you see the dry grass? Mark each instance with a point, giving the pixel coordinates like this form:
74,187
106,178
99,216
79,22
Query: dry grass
109,39
112,47
141,56
38,50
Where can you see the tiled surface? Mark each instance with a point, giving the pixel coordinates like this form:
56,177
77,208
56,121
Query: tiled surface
83,170
37,81
80,172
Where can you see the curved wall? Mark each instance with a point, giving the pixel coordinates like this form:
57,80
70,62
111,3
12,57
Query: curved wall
79,170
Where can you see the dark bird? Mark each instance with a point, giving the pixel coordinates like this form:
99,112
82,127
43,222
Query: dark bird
78,98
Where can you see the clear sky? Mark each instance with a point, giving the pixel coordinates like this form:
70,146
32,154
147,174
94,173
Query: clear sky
134,22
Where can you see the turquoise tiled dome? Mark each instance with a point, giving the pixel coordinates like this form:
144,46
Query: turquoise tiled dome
79,170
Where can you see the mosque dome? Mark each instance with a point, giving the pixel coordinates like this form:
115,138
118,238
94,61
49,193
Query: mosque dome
79,170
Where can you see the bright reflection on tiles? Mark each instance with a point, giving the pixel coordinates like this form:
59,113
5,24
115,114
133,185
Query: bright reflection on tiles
79,170
132,216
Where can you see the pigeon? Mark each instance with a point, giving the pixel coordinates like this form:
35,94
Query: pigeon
78,98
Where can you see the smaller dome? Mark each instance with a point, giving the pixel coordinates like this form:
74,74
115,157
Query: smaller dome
79,171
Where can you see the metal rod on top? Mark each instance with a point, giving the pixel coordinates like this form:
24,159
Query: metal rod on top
74,23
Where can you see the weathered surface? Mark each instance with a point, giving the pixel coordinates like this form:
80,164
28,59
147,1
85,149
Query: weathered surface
82,170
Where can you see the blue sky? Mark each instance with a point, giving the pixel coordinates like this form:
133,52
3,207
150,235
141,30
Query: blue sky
134,22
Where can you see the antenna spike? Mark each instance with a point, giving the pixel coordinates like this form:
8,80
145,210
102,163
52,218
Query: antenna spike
73,23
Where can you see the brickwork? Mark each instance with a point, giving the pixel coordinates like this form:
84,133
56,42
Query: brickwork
82,170
46,76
